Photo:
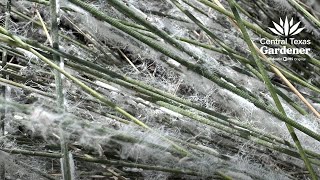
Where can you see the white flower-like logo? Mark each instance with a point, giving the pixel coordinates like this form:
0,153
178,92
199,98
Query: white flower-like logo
286,28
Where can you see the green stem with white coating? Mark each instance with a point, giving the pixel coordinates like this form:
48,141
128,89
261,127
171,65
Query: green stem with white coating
309,16
65,160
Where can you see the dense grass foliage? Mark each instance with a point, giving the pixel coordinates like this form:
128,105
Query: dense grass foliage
172,89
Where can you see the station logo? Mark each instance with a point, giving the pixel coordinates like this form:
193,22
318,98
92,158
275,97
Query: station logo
286,30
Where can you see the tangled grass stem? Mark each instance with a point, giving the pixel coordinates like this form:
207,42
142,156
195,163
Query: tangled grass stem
86,88
92,69
100,161
208,114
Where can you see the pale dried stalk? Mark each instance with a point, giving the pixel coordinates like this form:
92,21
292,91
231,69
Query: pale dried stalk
44,28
